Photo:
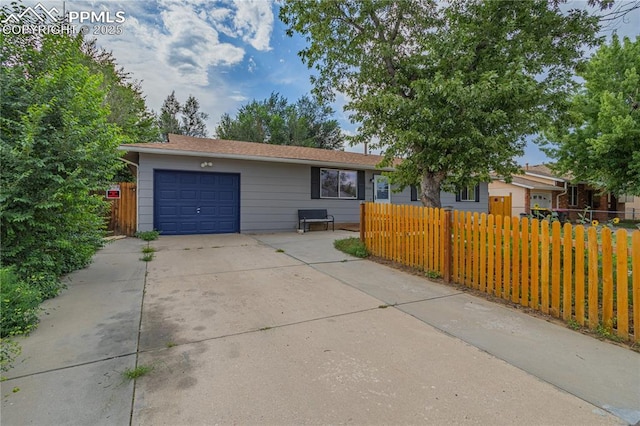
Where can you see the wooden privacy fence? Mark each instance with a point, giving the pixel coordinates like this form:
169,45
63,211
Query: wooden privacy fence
123,217
587,277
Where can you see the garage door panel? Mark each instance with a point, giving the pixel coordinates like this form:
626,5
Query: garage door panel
227,180
208,195
209,179
188,228
168,178
189,195
170,227
209,211
168,195
196,202
209,227
226,227
186,211
189,178
227,211
226,195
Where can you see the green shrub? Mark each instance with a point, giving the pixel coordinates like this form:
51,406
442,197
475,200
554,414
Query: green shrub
42,251
46,283
148,235
352,246
19,304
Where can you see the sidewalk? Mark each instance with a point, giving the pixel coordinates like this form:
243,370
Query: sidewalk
284,329
70,370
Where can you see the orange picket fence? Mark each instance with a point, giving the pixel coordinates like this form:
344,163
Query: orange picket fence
588,277
409,235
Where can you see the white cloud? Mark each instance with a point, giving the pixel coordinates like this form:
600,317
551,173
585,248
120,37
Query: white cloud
250,20
185,35
238,97
191,45
254,20
170,45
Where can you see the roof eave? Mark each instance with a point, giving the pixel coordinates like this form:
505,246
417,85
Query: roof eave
556,179
201,154
540,188
521,185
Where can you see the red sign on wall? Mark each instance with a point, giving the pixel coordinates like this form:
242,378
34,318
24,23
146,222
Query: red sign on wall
113,192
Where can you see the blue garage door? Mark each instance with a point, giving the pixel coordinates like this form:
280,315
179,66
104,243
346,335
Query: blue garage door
196,203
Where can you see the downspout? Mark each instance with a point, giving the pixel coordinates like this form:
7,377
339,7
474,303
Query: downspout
131,163
566,189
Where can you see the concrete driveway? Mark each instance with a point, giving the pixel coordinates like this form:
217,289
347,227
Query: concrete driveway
284,329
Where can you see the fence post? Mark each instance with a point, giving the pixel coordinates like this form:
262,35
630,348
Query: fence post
446,240
362,220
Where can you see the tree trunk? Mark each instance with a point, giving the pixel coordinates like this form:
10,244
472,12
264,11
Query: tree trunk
430,186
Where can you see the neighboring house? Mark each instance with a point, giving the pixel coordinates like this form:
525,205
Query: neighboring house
197,186
539,187
632,207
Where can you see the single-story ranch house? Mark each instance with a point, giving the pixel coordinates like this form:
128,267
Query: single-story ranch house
204,186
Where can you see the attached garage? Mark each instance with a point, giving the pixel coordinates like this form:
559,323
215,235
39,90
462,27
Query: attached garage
196,202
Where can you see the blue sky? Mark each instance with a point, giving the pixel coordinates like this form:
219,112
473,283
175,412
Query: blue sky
224,52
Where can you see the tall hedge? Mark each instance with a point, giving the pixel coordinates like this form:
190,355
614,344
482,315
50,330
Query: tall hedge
56,146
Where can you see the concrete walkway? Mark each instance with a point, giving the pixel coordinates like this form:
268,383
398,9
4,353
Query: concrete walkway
284,329
70,371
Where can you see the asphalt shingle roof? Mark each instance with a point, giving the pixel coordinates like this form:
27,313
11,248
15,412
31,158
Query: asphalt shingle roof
545,171
252,150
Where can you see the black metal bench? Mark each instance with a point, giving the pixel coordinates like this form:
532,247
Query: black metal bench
309,216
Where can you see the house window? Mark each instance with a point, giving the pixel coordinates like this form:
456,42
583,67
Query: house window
338,184
469,193
573,195
414,193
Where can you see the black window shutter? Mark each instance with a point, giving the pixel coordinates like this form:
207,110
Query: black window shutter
361,183
315,182
414,193
477,193
458,193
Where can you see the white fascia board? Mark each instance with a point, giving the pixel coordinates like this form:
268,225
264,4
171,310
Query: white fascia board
254,158
521,185
545,177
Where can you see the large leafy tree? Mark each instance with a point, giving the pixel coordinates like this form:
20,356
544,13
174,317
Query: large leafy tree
599,142
127,105
275,121
451,87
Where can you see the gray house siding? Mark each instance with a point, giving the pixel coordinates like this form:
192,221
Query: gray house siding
271,193
448,199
